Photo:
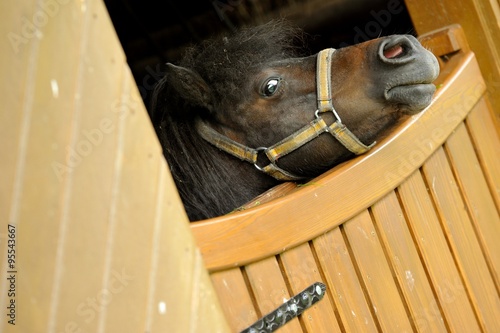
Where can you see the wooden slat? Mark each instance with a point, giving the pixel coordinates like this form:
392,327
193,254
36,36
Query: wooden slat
462,239
302,271
92,143
376,274
343,283
32,121
487,144
312,210
17,72
234,296
476,193
433,248
400,249
270,290
136,178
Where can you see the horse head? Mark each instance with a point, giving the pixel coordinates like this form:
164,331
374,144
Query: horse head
252,97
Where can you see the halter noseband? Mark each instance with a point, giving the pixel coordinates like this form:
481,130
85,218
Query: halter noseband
300,137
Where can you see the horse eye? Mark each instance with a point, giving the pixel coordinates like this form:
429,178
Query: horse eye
270,87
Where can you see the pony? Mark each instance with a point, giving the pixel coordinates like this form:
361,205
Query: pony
239,114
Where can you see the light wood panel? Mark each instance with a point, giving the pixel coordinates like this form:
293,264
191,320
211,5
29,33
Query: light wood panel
342,281
101,232
270,290
32,120
405,261
486,144
476,194
454,217
236,299
376,274
452,298
301,271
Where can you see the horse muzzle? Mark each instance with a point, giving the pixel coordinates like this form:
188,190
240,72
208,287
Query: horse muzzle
408,70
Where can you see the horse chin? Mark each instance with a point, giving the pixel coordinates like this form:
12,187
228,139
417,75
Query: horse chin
411,98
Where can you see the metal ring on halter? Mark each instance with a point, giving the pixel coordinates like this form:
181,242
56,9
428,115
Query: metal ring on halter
335,114
259,149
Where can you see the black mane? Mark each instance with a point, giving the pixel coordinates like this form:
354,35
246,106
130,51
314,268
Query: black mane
222,63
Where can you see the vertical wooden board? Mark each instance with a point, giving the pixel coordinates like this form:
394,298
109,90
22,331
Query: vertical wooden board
269,289
461,236
91,182
18,61
406,264
45,101
476,194
301,271
486,144
235,299
135,173
377,277
180,296
342,280
92,135
443,273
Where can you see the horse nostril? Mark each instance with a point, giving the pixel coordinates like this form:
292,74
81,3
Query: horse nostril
396,49
393,51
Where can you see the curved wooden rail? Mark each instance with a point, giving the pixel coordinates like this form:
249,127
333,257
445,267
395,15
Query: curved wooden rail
312,210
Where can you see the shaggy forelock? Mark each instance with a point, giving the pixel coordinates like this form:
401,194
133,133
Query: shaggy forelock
223,62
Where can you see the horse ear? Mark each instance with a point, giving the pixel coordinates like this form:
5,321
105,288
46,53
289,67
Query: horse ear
189,85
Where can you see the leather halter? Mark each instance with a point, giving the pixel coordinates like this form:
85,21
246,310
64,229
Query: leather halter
300,137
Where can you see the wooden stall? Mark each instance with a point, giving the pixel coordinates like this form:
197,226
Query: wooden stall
93,236
405,237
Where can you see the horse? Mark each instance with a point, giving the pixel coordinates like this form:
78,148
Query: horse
239,114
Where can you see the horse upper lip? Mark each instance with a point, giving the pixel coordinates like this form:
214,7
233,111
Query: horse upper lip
420,73
416,83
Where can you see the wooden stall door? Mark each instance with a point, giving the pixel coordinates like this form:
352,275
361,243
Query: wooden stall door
405,237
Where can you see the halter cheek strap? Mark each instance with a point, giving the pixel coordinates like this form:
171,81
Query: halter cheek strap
325,104
300,137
